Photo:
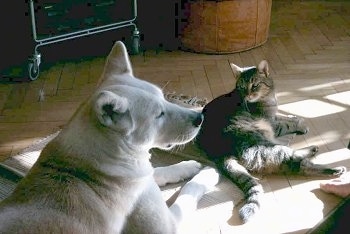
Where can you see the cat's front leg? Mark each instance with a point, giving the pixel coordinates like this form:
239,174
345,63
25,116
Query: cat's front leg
301,127
284,125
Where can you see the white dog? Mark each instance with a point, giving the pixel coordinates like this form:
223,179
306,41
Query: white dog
96,177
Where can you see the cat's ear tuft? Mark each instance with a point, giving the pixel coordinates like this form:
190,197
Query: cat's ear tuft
236,70
263,67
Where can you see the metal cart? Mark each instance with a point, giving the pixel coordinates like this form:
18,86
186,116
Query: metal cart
35,60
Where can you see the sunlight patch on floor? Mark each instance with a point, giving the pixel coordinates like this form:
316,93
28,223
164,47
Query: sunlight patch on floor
330,136
283,94
339,156
325,85
343,97
291,210
311,108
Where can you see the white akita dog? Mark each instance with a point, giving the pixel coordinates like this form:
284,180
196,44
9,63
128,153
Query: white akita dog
96,177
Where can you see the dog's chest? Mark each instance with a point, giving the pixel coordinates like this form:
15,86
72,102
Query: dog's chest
119,200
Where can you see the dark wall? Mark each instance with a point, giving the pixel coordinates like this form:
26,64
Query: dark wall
15,41
159,23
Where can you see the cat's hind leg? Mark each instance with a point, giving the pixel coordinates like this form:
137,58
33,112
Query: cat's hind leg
300,163
309,168
278,158
306,152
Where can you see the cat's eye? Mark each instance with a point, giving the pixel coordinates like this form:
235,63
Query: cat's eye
161,114
255,86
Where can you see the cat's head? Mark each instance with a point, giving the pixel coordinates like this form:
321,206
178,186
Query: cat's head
253,83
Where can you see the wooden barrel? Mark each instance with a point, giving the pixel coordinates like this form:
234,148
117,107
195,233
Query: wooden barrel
226,26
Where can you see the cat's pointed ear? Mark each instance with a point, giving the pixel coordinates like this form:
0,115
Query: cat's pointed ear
118,61
236,70
263,67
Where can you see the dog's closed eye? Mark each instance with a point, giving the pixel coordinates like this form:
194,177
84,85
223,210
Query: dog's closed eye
161,114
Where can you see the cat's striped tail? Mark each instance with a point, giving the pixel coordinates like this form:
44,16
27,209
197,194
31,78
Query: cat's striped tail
252,190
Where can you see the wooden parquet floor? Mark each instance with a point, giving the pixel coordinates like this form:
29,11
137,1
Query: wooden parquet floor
309,55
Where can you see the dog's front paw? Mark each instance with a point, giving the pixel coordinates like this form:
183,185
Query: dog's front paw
188,169
177,172
207,177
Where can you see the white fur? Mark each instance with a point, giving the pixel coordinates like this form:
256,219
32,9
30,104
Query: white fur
96,177
176,172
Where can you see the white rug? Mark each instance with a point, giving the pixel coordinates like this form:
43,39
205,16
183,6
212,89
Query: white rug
16,167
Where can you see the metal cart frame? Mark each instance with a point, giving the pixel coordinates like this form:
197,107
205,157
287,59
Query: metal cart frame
35,60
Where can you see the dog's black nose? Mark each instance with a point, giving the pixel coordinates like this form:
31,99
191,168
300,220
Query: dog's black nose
198,120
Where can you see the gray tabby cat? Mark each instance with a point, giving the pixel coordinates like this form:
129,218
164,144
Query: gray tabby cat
240,134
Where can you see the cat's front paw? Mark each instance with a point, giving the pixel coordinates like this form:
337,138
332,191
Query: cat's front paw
301,127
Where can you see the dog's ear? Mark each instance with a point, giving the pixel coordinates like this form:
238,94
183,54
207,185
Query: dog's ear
263,67
112,110
118,61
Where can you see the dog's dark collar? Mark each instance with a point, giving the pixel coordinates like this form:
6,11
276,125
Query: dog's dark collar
63,172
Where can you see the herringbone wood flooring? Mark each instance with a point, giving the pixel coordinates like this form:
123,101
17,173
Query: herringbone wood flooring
309,55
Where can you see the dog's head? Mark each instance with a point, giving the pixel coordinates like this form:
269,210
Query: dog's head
136,112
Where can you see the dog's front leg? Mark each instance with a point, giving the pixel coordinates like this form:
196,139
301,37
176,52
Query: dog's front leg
176,173
192,192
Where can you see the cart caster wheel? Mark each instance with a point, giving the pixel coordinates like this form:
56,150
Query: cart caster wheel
33,70
135,45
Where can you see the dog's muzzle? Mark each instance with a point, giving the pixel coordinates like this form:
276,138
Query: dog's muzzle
198,120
